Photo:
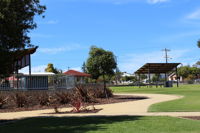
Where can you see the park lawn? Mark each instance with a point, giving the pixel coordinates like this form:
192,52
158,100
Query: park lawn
120,124
190,102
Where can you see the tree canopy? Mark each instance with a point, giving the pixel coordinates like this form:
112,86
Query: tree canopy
188,72
16,21
198,43
51,68
100,62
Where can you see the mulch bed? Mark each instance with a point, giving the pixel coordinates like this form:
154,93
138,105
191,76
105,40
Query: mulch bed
99,101
192,117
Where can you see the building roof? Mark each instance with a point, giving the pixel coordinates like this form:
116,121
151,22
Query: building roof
76,73
39,74
157,68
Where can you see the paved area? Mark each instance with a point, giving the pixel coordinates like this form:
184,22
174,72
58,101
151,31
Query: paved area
132,108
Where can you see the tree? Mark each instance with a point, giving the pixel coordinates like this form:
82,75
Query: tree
188,72
184,71
198,43
118,75
101,63
197,64
84,67
155,77
16,21
50,68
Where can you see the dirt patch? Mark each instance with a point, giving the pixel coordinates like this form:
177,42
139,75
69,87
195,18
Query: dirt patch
192,117
99,101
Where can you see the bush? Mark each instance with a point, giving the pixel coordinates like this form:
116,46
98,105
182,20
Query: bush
99,92
84,93
3,100
21,99
190,81
63,97
44,99
77,105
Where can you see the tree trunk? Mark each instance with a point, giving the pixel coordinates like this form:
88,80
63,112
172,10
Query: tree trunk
104,86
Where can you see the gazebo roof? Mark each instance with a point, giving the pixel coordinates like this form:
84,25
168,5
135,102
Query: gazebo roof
19,54
157,68
76,73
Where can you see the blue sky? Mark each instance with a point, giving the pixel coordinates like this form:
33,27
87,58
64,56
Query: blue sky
135,30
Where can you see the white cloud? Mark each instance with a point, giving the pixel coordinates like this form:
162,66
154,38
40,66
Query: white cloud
157,1
35,69
61,49
130,63
194,15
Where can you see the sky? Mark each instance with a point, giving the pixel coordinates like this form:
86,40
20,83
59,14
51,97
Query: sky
136,31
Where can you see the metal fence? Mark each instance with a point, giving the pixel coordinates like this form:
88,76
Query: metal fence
38,82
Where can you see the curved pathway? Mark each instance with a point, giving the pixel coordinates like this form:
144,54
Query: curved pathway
132,108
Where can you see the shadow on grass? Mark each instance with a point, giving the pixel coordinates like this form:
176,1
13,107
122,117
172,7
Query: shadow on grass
63,125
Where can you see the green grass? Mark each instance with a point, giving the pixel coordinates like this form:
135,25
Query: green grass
122,124
190,102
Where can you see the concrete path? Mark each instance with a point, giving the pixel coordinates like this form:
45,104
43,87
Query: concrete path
132,108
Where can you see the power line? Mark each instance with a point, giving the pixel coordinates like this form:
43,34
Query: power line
166,54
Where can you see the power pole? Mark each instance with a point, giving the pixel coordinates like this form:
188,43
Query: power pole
166,54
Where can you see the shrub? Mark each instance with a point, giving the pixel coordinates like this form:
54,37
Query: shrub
190,81
63,97
99,92
44,99
77,105
3,100
84,94
21,99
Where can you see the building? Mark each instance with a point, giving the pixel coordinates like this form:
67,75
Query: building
79,77
37,81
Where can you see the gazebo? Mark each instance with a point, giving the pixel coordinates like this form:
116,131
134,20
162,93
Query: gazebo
22,58
158,68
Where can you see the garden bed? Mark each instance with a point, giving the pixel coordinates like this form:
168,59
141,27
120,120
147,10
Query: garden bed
192,117
98,101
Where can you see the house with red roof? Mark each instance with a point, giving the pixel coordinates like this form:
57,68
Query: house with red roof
79,77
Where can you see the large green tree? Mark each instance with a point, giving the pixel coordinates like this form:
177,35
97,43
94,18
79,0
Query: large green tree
16,21
101,63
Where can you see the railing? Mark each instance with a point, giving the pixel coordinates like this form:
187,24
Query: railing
38,82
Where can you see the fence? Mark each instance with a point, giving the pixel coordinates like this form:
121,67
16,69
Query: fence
38,82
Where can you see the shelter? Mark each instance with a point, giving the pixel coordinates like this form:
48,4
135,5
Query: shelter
22,58
158,68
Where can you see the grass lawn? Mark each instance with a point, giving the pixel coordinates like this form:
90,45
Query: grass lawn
190,103
122,124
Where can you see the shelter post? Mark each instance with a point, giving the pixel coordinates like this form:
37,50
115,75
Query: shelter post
29,65
149,75
177,77
139,80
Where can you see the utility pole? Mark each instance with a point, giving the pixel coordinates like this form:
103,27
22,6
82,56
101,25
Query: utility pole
166,54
